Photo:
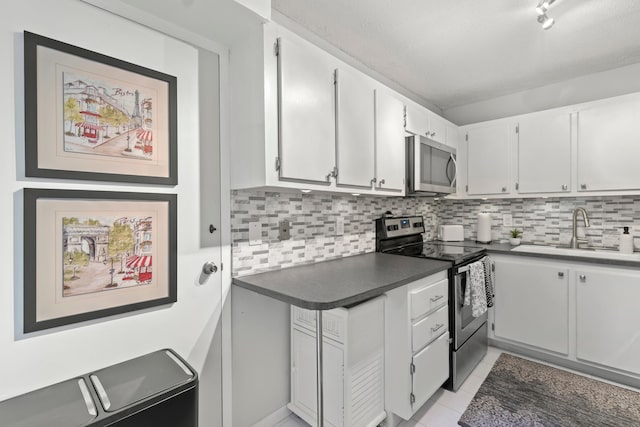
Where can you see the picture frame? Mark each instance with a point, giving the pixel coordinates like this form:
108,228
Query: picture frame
92,254
90,116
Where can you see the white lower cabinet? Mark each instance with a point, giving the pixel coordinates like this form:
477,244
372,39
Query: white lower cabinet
582,313
353,365
608,318
416,343
532,303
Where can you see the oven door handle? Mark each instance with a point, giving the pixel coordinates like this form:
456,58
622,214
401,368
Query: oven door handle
459,289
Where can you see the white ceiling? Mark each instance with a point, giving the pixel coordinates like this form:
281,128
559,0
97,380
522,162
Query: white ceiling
462,56
456,52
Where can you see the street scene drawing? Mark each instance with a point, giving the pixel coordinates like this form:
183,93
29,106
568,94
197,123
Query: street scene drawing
107,118
102,253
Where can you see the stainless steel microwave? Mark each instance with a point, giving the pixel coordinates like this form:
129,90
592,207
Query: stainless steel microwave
431,167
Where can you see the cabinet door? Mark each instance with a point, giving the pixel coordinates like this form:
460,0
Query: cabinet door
417,120
609,146
303,377
532,303
390,144
432,370
488,159
453,135
355,130
544,153
306,113
608,318
437,128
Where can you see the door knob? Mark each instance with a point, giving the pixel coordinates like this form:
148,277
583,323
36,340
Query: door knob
209,268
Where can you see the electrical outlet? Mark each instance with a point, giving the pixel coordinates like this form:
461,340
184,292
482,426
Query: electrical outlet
284,231
339,226
507,220
255,233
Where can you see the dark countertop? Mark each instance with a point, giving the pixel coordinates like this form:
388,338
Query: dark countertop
506,249
340,282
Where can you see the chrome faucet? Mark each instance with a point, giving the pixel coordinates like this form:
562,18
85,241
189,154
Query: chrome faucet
574,243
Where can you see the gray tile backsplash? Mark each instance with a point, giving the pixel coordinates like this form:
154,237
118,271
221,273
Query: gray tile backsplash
313,223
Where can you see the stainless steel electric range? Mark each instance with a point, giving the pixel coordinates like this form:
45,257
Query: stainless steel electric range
468,343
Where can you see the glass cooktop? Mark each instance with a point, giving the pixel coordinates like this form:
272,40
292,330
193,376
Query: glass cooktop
441,251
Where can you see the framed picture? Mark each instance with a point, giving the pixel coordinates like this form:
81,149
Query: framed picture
91,254
91,116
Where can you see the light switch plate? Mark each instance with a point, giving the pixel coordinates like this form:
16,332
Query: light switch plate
507,220
339,226
285,230
255,233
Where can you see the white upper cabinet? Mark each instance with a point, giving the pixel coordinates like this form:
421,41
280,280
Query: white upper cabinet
488,159
306,119
390,143
544,153
354,130
303,119
420,121
609,145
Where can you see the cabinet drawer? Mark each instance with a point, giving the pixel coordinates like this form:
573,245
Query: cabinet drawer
428,298
431,369
333,323
429,328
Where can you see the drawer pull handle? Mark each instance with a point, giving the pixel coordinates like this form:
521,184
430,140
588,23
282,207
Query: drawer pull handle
437,327
439,297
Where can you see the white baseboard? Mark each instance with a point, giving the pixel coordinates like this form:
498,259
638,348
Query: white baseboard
274,418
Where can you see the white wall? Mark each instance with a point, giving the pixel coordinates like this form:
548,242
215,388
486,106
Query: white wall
591,87
188,326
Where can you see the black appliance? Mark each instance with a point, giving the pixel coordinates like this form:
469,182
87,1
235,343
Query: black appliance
468,343
157,389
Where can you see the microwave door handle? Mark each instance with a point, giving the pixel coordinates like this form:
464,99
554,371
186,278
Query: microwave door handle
455,170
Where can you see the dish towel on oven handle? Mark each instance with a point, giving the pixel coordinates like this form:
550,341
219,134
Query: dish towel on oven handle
475,294
488,281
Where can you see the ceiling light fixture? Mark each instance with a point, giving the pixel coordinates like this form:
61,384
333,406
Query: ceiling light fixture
541,10
546,21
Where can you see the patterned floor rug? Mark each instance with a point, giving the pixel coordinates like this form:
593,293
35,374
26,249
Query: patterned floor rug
518,392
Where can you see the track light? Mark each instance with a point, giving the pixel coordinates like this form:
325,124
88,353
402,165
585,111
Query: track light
546,21
541,10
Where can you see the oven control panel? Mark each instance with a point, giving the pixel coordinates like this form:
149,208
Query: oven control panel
401,226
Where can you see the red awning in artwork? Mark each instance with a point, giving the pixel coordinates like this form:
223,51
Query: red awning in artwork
90,113
136,261
85,125
144,135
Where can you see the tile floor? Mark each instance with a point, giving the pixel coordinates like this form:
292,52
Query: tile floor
445,408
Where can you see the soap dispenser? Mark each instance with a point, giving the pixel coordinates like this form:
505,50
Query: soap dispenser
626,242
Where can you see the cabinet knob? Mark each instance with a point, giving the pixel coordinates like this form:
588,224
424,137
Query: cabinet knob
565,186
583,278
560,273
381,183
583,186
433,134
504,189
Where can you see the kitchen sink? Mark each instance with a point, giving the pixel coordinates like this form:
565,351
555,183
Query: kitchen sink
588,252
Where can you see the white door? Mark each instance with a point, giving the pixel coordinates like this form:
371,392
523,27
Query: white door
306,113
303,377
488,159
544,153
532,303
608,318
390,143
609,146
355,130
